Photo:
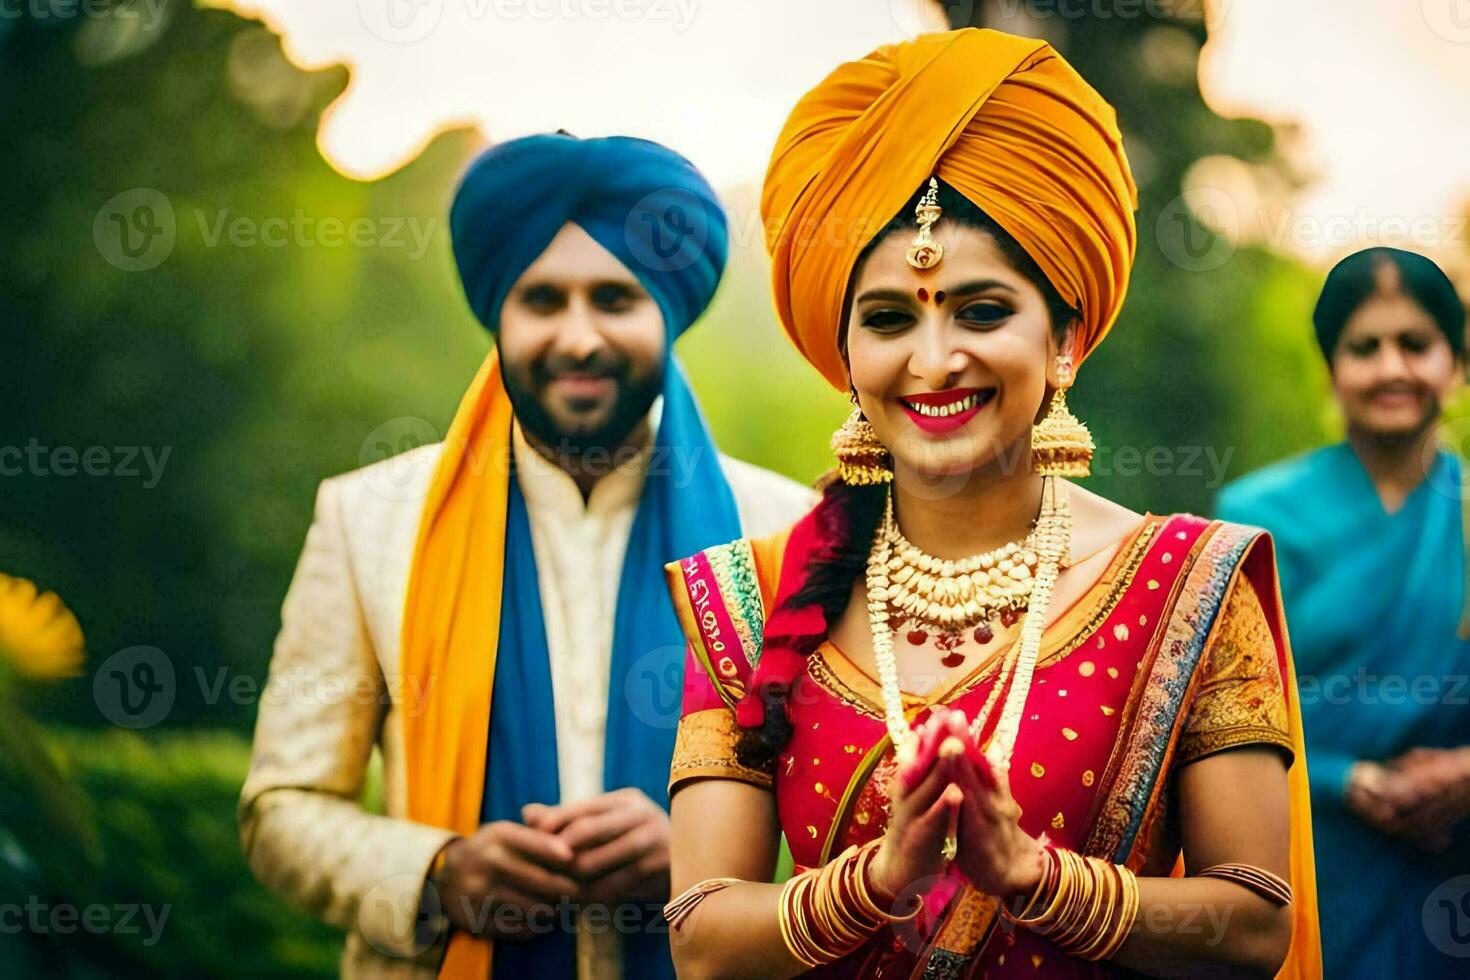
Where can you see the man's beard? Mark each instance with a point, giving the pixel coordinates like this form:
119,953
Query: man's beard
635,396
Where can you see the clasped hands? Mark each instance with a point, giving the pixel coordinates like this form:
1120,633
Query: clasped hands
1420,797
607,850
949,789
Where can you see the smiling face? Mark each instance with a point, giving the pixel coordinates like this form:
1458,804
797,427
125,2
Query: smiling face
950,364
581,345
1392,368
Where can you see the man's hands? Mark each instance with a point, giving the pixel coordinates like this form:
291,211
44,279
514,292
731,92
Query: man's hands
1420,797
492,881
609,850
620,841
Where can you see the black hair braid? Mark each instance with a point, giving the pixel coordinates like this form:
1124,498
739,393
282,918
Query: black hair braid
847,516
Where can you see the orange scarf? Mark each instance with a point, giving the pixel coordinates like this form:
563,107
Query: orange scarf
451,625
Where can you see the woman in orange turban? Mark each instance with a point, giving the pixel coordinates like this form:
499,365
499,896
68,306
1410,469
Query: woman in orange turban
1006,727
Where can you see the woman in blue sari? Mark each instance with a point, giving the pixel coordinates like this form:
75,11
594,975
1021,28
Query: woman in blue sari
1371,545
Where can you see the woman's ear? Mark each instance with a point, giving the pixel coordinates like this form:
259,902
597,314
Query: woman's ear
1059,346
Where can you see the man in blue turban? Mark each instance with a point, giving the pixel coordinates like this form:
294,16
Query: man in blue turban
508,598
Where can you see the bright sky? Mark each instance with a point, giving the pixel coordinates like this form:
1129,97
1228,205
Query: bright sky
1380,87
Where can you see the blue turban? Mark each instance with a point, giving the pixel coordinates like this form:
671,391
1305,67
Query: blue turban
642,202
649,207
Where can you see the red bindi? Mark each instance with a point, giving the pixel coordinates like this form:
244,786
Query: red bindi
939,297
923,295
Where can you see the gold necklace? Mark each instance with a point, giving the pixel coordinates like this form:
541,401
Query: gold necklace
1052,538
956,595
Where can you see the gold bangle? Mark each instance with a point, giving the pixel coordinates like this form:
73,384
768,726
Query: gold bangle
1273,888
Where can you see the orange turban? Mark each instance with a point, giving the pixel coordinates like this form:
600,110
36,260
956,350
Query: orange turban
1003,120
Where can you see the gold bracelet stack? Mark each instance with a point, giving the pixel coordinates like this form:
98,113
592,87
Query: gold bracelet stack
828,912
1087,906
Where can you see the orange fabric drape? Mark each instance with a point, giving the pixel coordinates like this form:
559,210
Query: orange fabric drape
451,626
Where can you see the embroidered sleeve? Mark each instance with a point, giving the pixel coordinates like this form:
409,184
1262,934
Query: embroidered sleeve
704,747
1239,698
718,600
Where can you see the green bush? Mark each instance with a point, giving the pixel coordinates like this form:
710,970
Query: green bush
163,807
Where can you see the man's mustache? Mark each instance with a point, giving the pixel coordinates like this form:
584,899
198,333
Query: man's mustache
545,372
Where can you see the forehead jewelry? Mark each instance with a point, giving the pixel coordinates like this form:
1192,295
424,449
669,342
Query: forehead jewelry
925,252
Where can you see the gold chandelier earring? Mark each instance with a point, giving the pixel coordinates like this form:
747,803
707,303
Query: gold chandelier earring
1061,444
861,459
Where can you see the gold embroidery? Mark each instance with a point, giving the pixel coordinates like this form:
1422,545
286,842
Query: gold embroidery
1239,699
1153,584
1113,672
1121,632
1087,778
1106,710
1058,822
1069,734
1038,770
1087,668
705,748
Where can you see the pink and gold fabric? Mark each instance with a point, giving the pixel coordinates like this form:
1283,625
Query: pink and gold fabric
1177,652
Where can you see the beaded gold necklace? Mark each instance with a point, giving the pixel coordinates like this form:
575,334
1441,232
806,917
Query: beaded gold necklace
951,596
1051,539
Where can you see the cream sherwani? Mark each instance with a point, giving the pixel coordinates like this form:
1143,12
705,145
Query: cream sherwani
335,674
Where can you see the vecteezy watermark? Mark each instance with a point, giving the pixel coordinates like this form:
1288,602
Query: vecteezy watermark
410,21
1450,19
1199,230
152,13
135,688
138,229
402,914
402,474
1454,436
915,17
653,686
1365,687
667,230
39,917
35,459
1446,917
303,230
1212,12
135,230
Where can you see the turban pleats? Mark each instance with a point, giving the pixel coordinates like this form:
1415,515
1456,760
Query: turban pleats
1002,119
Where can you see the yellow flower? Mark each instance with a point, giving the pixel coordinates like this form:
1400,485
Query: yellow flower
37,632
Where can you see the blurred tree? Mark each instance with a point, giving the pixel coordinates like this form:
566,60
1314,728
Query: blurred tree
201,320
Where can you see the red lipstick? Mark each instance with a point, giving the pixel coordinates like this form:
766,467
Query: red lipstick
941,412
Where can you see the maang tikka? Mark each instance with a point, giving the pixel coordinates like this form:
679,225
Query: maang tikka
925,252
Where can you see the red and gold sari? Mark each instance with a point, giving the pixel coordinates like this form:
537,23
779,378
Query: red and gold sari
1177,652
